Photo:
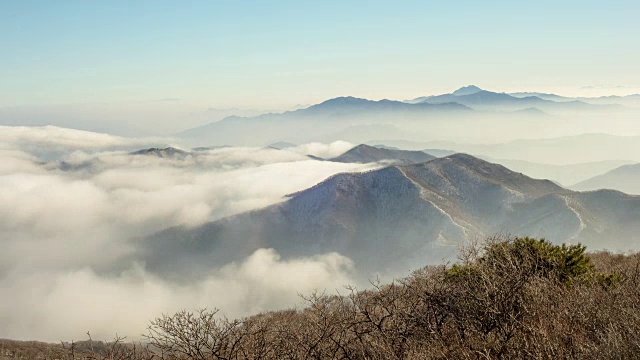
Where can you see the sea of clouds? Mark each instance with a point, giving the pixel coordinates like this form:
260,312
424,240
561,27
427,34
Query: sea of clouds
72,204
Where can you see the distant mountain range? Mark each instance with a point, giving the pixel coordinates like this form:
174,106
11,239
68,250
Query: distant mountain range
342,106
358,120
625,178
316,122
478,99
399,217
628,100
584,148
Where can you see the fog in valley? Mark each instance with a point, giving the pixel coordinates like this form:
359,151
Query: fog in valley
73,203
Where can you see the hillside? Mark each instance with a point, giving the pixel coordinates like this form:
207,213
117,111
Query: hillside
625,178
504,298
367,154
393,219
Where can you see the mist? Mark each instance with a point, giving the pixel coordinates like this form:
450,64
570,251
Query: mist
441,126
160,117
72,205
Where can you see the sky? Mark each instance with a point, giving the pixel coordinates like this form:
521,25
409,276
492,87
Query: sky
271,54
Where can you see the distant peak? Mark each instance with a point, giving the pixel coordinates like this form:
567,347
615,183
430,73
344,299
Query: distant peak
464,156
162,152
467,160
280,145
364,146
466,90
153,149
344,100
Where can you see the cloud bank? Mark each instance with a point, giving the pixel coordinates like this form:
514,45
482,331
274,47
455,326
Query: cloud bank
72,204
66,304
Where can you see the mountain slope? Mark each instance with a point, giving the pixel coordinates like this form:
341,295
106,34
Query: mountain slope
367,154
625,178
399,217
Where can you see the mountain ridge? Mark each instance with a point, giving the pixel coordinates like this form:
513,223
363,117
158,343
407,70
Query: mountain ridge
479,99
625,178
410,212
366,154
323,118
467,90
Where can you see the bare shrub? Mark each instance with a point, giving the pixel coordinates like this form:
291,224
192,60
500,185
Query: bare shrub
505,298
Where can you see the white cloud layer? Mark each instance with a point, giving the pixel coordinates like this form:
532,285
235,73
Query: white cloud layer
325,151
71,203
64,305
53,136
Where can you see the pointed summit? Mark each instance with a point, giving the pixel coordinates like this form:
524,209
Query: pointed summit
343,101
466,90
368,154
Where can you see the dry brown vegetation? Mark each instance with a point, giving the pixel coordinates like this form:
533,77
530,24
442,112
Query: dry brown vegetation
505,298
81,350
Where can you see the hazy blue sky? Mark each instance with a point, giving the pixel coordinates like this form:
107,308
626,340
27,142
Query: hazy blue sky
277,53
